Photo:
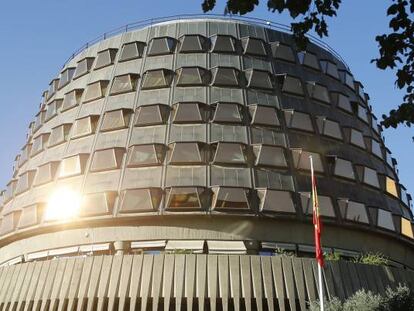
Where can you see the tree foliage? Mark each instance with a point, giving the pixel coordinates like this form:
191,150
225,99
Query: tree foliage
395,48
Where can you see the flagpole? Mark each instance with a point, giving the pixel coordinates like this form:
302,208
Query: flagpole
320,284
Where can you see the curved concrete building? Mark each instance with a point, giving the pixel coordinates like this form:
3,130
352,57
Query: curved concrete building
168,168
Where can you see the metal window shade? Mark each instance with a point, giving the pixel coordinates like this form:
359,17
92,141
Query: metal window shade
37,255
195,246
274,245
148,244
226,247
64,251
95,247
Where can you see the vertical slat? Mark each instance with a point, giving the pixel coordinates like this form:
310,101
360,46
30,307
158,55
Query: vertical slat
103,282
246,281
190,280
45,299
74,283
278,280
57,284
124,283
147,267
21,298
179,280
356,284
309,279
290,286
201,280
268,288
349,289
32,287
114,281
299,280
257,281
234,263
339,286
84,282
41,284
212,278
12,285
389,276
94,282
223,276
134,291
378,280
372,286
361,275
19,285
156,280
6,284
64,289
329,277
167,284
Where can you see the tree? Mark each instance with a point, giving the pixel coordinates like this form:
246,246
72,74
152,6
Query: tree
396,49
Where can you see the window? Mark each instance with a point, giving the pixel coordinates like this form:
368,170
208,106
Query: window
40,118
187,132
374,124
146,155
343,102
25,181
329,68
353,211
230,176
226,247
385,220
227,132
85,126
189,112
191,246
223,44
193,44
298,120
347,79
192,76
325,204
186,175
268,178
282,51
59,134
376,148
309,60
263,115
360,90
357,139
132,50
9,222
230,199
230,153
269,156
161,46
108,159
275,201
301,160
187,153
24,156
405,197
10,189
83,67
407,228
371,177
259,79
39,144
140,200
116,120
342,168
253,46
124,84
72,166
363,114
328,127
66,76
261,135
95,204
72,99
228,112
95,90
290,85
225,76
318,92
53,87
46,173
105,58
159,78
185,198
152,115
52,109
391,186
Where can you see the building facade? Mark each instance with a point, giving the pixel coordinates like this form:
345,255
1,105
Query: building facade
168,167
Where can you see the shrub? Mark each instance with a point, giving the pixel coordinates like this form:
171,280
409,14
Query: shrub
362,301
333,305
376,259
333,256
400,299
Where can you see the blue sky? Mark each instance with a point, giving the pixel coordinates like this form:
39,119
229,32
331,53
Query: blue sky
38,36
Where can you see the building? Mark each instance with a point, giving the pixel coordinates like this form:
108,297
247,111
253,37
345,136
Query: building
169,161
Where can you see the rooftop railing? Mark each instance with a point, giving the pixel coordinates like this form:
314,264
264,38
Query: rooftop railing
250,20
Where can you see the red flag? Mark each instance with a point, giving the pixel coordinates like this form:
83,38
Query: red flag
316,220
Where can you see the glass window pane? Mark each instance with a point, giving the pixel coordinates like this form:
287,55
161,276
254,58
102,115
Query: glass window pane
344,103
228,112
325,205
259,79
45,173
192,44
371,177
230,176
144,155
344,168
108,159
262,135
184,198
132,50
85,126
298,120
140,200
192,76
52,109
268,178
115,120
72,99
188,112
263,115
353,211
318,92
291,85
66,77
83,67
309,60
357,139
225,76
330,69
59,134
159,78
105,58
269,156
385,220
328,127
161,46
347,79
186,175
186,153
95,90
363,114
151,115
253,46
124,84
391,186
276,201
223,44
39,144
229,199
72,166
301,160
230,153
282,51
